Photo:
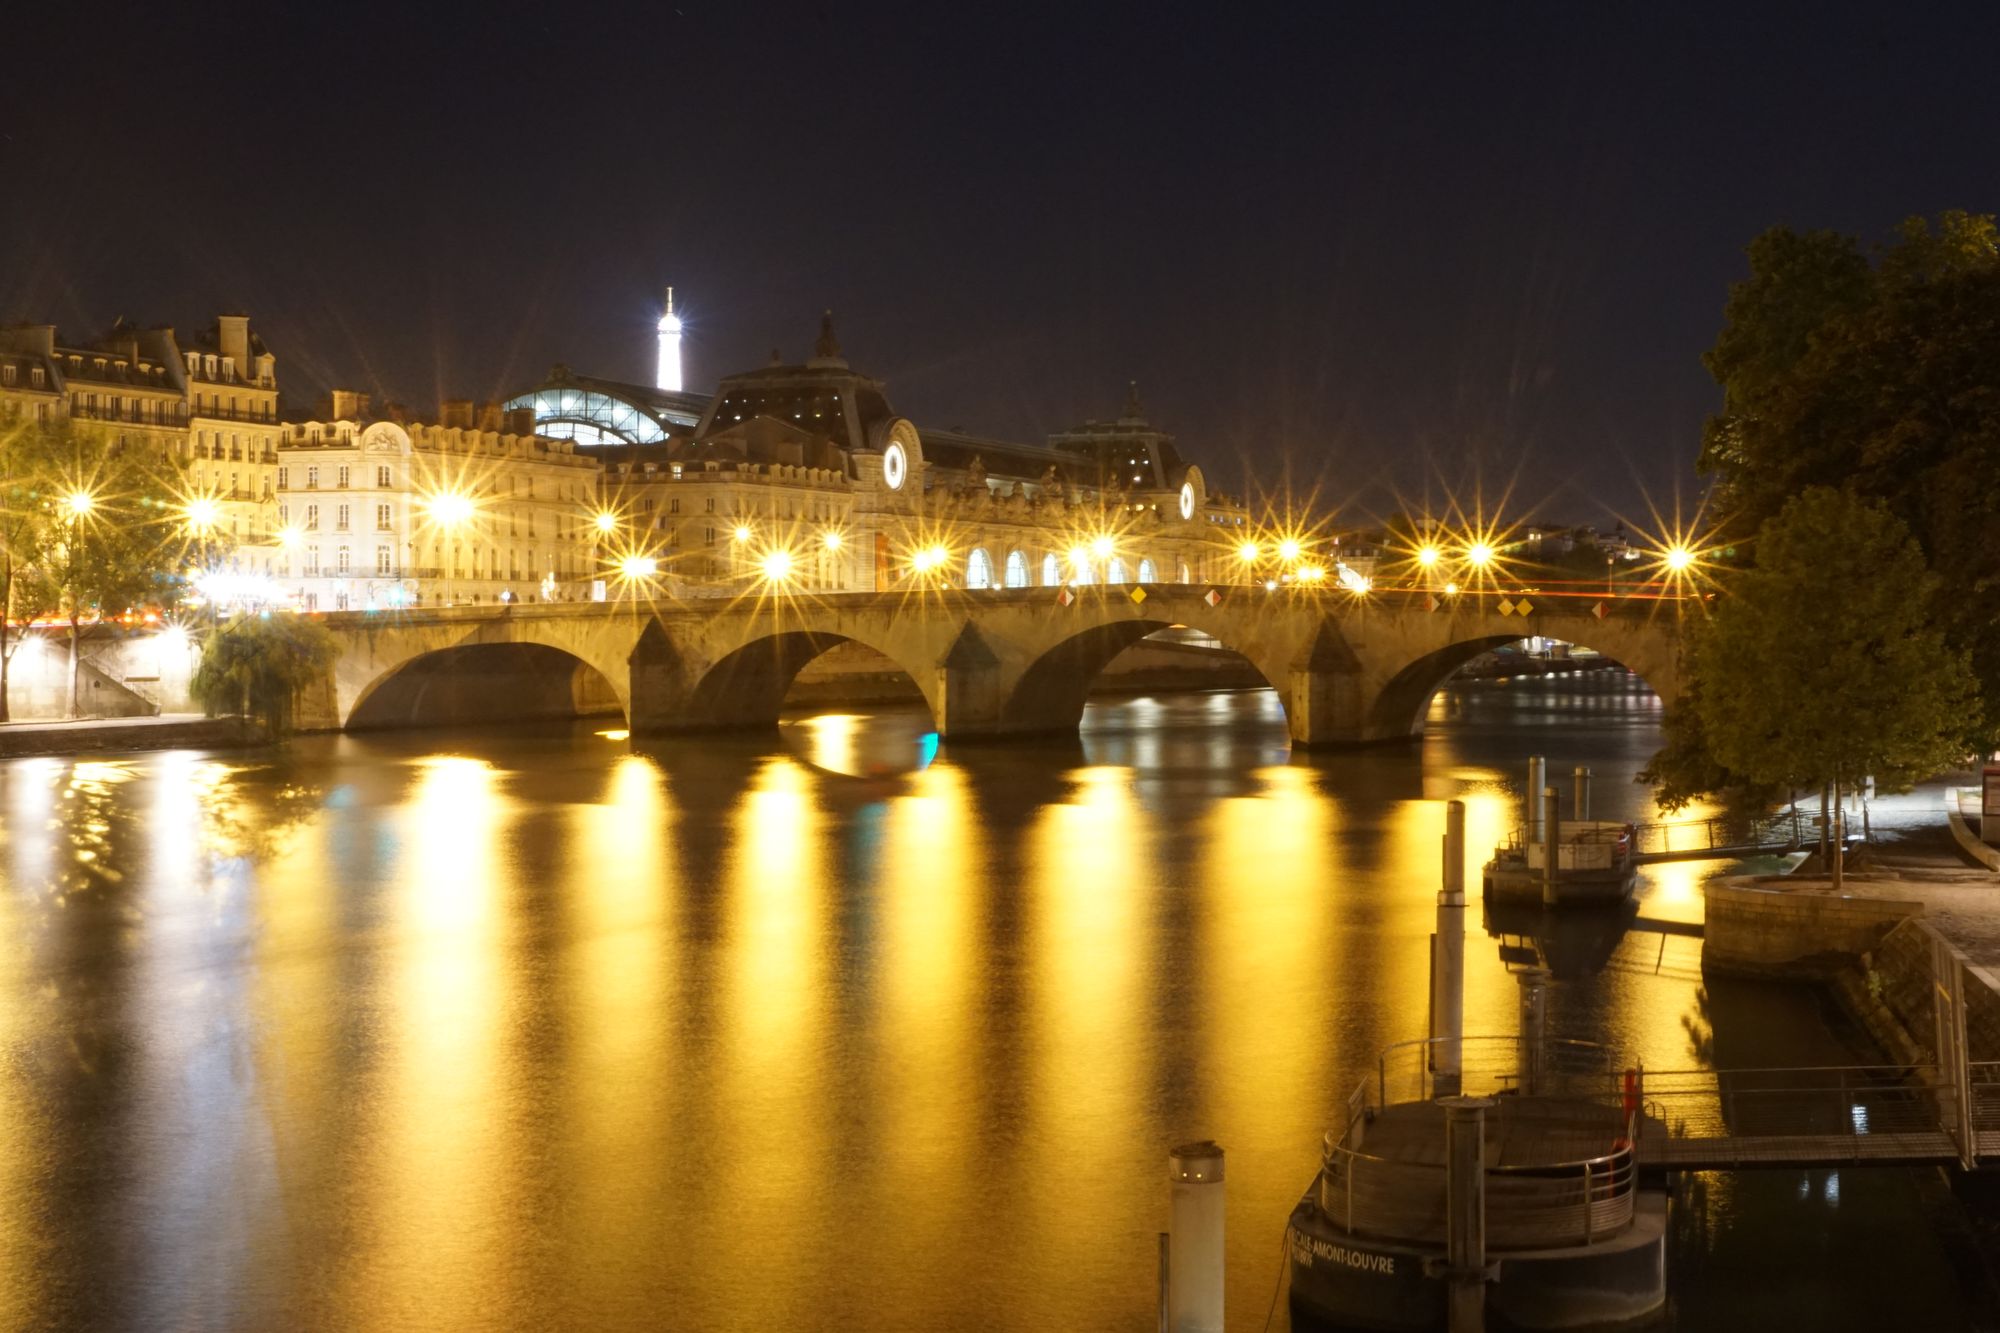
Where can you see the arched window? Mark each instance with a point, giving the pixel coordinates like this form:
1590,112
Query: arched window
1051,571
979,569
1147,574
1115,571
1186,573
1017,569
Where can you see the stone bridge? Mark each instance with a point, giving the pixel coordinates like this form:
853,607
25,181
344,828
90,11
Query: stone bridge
1349,668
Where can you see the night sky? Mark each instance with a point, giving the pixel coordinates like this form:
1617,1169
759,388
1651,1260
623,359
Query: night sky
1365,252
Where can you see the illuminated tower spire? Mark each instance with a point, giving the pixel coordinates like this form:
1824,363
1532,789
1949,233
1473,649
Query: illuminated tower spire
669,376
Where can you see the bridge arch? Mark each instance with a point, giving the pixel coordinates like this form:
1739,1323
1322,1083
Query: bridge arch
1050,694
1400,705
746,686
484,682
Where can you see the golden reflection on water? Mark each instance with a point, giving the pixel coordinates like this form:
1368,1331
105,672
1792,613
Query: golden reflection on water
1267,890
442,1193
769,1153
931,896
1092,892
620,897
26,850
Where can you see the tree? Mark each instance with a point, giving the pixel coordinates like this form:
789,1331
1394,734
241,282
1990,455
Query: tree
1883,378
98,527
23,478
256,664
1822,664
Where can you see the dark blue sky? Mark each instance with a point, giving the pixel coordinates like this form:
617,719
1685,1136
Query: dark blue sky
1388,249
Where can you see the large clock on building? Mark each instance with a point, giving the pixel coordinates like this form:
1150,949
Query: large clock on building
895,465
1187,499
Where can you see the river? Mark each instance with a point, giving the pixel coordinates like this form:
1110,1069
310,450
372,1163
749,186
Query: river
552,1029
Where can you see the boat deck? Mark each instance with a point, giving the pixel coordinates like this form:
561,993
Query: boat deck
1521,1132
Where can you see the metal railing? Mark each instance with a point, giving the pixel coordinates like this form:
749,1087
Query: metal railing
1564,1202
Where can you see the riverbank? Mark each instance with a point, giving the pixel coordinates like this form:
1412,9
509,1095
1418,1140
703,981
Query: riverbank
170,731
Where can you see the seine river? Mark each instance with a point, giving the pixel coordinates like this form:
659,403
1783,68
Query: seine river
488,1029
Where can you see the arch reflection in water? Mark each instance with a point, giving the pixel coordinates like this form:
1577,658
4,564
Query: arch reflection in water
872,744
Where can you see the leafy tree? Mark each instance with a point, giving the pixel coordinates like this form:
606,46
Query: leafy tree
1882,377
255,665
94,527
1822,664
22,483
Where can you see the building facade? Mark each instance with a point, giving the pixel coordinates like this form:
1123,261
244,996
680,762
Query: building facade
210,402
377,513
805,475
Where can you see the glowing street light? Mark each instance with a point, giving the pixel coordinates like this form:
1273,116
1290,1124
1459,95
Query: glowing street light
777,565
1311,574
289,537
203,515
1427,556
1479,555
449,508
742,533
927,558
1102,548
607,521
1678,559
79,504
831,541
636,567
1248,552
1288,550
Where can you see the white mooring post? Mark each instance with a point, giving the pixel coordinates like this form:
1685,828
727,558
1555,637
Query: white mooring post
1534,1028
1194,1251
1580,808
1448,975
1465,1212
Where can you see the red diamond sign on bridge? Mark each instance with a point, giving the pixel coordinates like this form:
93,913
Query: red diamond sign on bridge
1599,611
1065,597
1430,602
1212,597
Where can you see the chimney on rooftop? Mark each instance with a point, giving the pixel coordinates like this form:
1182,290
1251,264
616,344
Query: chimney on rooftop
232,336
455,412
521,421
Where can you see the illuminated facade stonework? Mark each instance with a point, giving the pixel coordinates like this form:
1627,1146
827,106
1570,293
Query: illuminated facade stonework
380,513
210,401
806,472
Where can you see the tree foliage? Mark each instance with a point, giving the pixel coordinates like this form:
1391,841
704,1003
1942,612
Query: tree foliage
256,665
1882,377
1823,664
88,525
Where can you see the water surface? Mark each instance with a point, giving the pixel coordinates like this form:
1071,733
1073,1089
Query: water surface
493,1029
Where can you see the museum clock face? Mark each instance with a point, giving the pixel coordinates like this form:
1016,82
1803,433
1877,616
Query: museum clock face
1187,499
895,466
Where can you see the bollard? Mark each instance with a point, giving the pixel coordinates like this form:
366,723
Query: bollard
1581,806
1448,976
1538,777
1551,843
1194,1277
1465,1212
1534,1028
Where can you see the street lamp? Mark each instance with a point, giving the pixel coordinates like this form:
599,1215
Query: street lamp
79,504
831,541
742,533
1288,550
1479,555
607,521
636,567
777,566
